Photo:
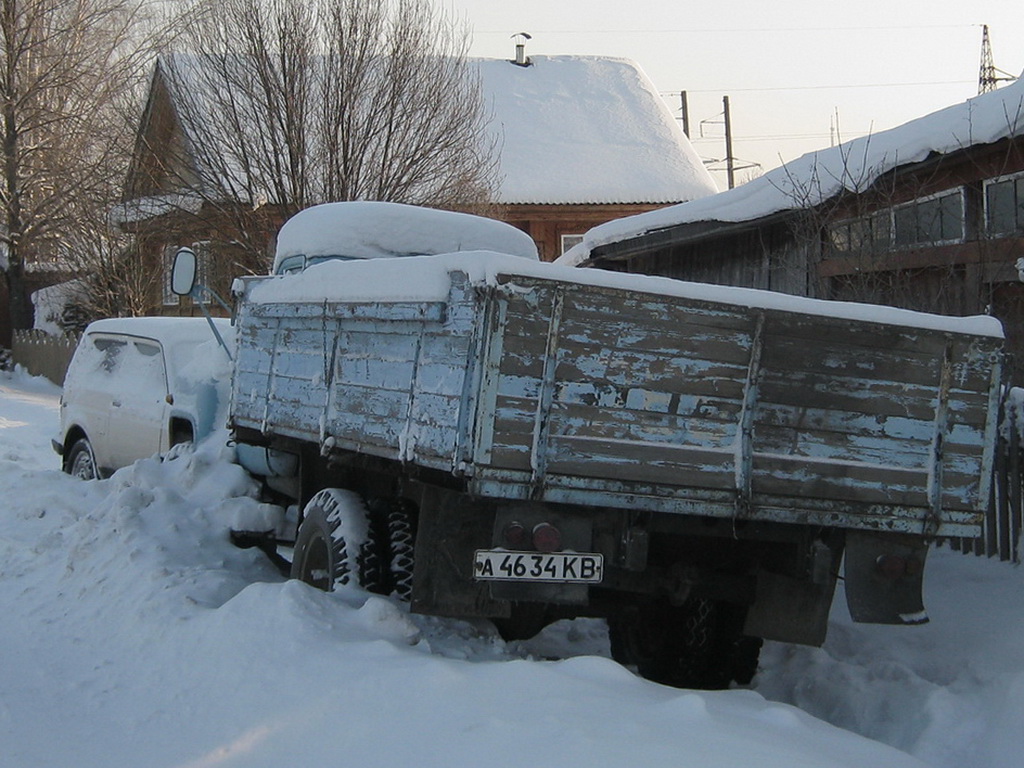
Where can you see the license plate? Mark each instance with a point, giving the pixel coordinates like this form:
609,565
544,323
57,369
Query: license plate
553,568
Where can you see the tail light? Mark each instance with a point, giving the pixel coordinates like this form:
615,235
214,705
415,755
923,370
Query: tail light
515,536
547,538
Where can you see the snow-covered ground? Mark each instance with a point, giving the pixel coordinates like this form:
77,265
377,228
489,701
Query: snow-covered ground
133,634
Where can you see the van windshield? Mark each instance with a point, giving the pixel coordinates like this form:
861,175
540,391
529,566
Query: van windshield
295,264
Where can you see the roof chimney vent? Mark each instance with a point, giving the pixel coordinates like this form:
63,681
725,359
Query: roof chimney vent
521,59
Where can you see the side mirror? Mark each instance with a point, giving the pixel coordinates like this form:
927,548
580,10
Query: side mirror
183,273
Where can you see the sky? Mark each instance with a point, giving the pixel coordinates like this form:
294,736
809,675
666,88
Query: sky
800,74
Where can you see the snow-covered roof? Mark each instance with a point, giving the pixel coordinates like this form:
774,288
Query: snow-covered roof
819,176
587,129
51,301
568,130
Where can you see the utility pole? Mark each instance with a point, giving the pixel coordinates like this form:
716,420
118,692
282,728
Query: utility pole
684,110
730,161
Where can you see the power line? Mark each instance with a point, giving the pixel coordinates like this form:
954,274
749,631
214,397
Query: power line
766,136
729,30
822,87
784,137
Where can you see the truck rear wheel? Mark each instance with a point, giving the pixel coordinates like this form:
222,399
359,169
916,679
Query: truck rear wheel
401,542
336,544
697,645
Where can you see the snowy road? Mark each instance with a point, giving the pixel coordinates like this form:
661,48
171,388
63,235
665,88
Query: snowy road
134,635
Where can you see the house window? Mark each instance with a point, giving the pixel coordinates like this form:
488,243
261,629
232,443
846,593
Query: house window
935,219
568,241
203,259
171,299
204,262
1004,205
865,233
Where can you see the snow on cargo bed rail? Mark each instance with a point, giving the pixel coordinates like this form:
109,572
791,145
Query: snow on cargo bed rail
426,278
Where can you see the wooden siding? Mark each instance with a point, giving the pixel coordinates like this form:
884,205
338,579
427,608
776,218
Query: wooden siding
787,251
769,258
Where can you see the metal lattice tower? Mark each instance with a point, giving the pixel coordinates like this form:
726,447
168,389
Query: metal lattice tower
989,76
987,72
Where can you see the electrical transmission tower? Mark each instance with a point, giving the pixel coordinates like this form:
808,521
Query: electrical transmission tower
989,76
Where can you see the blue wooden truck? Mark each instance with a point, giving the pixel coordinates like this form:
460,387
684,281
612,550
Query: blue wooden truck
489,436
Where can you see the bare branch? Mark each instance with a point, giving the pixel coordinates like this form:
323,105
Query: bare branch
289,103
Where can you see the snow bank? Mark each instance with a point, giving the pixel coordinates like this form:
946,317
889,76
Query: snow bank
950,692
135,635
819,176
29,412
426,278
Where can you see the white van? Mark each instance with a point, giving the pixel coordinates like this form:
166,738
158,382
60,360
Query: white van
136,387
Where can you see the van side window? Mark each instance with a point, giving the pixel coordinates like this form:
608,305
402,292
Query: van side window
144,367
110,354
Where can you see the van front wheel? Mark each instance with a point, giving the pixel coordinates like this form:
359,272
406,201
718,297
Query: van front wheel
80,461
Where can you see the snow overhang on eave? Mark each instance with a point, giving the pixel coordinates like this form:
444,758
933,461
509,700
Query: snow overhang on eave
678,235
142,209
586,202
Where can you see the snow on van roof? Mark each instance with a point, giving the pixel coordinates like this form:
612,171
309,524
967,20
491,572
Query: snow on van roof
819,176
426,278
167,330
369,230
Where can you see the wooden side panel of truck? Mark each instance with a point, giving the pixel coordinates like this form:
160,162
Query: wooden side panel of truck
549,391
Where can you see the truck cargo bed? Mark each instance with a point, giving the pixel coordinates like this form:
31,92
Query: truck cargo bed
589,392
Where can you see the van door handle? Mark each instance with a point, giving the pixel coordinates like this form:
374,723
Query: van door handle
116,403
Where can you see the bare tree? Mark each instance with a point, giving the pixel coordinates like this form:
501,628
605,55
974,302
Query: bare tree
66,70
289,103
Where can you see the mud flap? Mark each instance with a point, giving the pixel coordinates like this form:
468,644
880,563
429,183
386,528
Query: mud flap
884,575
795,610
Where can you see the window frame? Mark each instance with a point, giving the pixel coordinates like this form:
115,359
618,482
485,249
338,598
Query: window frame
877,244
578,238
958,192
170,298
1016,177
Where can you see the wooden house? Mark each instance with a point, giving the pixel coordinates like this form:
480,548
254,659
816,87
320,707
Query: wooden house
927,216
581,141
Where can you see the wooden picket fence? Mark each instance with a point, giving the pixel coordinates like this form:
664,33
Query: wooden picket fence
43,354
1001,534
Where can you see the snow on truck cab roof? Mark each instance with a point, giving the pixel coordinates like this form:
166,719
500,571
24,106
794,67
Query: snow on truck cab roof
371,230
